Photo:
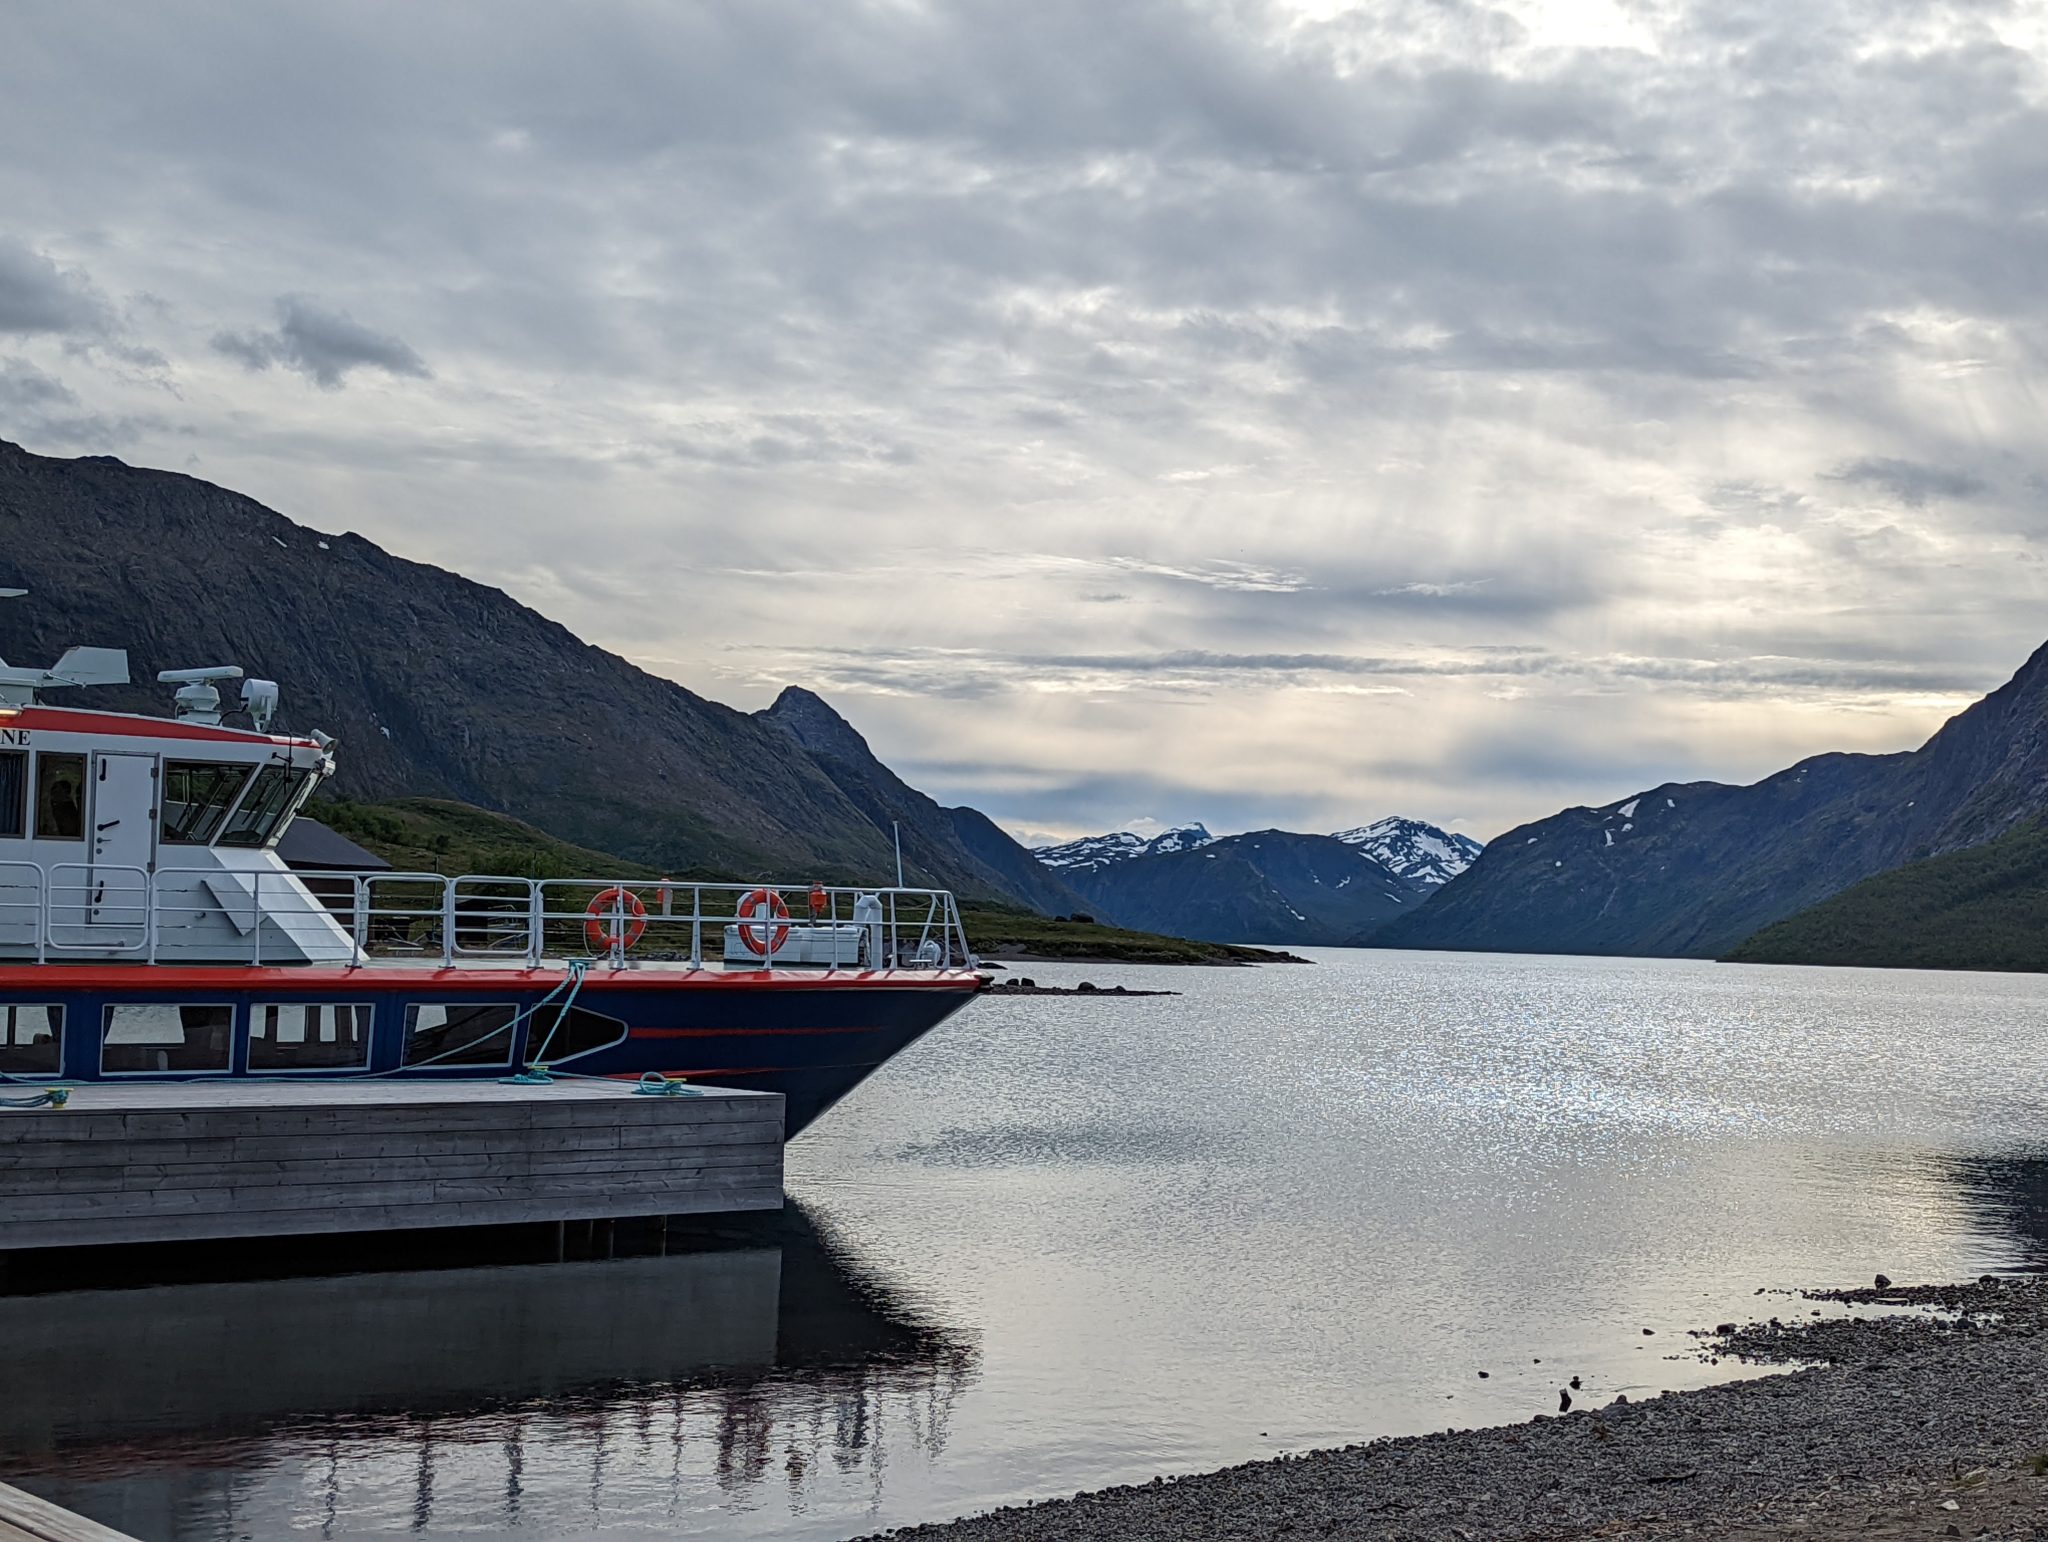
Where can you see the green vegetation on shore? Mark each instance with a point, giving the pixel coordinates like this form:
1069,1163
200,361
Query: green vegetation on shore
433,835
1984,908
1018,934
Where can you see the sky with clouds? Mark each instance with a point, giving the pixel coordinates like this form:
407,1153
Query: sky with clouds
1261,413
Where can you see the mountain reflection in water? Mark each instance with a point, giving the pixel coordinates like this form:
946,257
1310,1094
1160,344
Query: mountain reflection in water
2009,1195
743,1368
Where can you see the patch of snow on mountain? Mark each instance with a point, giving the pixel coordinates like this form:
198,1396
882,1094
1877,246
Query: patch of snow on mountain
1419,852
1092,852
1628,809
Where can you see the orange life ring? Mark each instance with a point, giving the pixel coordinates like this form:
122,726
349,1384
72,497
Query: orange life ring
820,900
606,908
757,936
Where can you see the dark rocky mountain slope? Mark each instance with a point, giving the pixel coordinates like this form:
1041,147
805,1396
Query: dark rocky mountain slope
946,848
1268,886
436,686
1693,869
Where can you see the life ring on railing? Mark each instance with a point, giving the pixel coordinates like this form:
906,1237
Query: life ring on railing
759,938
609,907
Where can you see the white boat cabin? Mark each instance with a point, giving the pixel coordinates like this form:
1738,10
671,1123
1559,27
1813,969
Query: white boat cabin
125,835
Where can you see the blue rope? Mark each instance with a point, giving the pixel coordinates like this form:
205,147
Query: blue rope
50,1097
536,1068
653,1084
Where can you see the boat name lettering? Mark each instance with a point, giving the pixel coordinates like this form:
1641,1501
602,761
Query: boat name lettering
14,735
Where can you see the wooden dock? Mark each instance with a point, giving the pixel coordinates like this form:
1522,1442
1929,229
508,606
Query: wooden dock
25,1518
185,1161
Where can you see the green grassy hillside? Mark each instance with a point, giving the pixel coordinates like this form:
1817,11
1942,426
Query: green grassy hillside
1984,908
432,835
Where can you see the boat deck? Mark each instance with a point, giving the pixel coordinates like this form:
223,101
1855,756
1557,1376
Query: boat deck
373,973
165,1161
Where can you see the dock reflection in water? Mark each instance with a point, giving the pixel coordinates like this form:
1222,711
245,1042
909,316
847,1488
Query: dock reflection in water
719,1388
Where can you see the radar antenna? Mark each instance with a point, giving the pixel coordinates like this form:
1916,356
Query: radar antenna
198,697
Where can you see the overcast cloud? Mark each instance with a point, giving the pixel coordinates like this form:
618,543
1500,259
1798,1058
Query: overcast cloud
1261,413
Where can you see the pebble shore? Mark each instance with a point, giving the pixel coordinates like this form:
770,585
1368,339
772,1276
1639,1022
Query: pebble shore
1928,1417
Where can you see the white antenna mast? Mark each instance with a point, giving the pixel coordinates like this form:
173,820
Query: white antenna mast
897,826
79,666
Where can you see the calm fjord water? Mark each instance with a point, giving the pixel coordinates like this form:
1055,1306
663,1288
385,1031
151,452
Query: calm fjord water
1066,1243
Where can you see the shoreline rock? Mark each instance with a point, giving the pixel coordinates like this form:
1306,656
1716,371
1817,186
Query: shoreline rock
1924,1418
1030,987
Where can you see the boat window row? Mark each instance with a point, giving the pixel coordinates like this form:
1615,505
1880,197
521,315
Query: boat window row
203,800
165,1037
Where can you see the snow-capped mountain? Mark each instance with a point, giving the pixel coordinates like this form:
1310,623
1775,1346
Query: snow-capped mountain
1419,852
1092,853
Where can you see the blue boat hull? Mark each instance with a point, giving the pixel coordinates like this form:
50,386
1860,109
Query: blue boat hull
812,1039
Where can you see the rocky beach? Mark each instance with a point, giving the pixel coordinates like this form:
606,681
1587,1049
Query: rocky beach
1904,1412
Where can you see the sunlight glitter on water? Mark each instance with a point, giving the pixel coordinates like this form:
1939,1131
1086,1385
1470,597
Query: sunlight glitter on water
1070,1242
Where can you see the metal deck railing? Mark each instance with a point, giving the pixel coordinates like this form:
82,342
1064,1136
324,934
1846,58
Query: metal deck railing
192,915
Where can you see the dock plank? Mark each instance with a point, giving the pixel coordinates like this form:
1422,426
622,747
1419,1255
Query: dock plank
149,1162
255,1148
25,1518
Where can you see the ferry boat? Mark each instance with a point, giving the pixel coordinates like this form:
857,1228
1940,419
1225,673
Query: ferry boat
150,931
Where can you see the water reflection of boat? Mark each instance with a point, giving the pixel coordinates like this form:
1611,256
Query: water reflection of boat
752,1352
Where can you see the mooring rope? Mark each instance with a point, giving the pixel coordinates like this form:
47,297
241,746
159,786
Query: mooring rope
49,1097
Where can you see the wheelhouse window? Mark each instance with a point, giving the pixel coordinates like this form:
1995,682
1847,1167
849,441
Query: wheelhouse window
276,795
578,1033
459,1033
31,1040
13,794
166,1036
197,797
309,1036
60,797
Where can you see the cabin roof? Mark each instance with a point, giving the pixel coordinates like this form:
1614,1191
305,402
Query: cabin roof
310,845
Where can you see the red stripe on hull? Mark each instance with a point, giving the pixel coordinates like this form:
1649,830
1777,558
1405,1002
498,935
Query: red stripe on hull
378,977
58,720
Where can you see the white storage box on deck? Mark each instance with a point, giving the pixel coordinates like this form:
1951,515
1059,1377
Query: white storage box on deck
824,946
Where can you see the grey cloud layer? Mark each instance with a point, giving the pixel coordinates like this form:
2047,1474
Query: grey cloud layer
1681,371
36,295
320,344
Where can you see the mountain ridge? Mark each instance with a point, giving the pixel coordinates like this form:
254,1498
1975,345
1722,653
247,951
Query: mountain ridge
1414,850
1273,887
1264,886
1092,852
435,685
1693,869
947,848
